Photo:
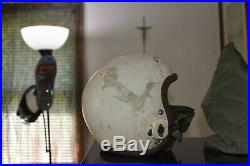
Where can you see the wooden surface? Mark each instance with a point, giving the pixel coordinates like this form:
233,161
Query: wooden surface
190,150
81,127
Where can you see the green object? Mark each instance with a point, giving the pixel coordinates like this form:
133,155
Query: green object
226,104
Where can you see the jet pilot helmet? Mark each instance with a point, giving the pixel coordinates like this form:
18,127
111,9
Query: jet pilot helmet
129,97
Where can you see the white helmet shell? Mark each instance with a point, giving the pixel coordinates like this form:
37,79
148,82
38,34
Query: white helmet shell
124,98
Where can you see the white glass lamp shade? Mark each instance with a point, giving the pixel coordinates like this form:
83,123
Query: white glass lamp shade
45,37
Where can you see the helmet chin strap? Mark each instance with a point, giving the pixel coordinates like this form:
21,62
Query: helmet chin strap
38,98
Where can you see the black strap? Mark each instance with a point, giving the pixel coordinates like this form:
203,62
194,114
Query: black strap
182,116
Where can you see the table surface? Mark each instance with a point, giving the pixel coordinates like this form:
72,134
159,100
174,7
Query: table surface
190,150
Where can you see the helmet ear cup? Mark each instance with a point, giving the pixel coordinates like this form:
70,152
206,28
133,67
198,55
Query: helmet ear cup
179,117
28,109
158,129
